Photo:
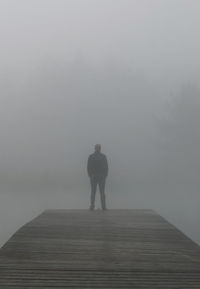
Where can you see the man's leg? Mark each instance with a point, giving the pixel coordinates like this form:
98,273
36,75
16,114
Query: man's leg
93,182
102,182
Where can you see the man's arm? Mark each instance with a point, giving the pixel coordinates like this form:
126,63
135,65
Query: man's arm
89,166
106,166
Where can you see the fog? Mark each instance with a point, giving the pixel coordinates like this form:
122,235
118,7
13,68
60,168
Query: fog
123,73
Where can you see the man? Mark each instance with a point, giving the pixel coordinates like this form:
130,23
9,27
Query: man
97,168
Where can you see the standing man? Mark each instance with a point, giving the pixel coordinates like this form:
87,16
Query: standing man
97,168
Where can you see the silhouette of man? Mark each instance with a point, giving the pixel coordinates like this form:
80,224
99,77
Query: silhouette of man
97,168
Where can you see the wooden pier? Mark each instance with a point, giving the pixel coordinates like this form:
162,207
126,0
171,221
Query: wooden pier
111,249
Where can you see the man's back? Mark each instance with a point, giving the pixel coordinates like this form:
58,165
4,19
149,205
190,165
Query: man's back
97,164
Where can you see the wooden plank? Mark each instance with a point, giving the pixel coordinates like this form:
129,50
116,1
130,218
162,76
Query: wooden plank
112,249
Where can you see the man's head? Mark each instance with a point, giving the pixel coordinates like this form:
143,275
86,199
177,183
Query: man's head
97,148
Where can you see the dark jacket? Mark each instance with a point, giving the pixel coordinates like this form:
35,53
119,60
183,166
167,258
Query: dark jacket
97,165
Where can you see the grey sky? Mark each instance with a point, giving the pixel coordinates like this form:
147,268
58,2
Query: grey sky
157,35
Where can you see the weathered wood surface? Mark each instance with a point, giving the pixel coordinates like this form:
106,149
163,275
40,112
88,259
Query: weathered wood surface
112,249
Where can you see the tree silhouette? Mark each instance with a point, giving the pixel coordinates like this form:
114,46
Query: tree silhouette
180,139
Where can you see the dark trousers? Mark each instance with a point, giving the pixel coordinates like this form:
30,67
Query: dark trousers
98,180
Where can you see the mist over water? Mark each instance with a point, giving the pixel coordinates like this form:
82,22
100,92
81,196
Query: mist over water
121,73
